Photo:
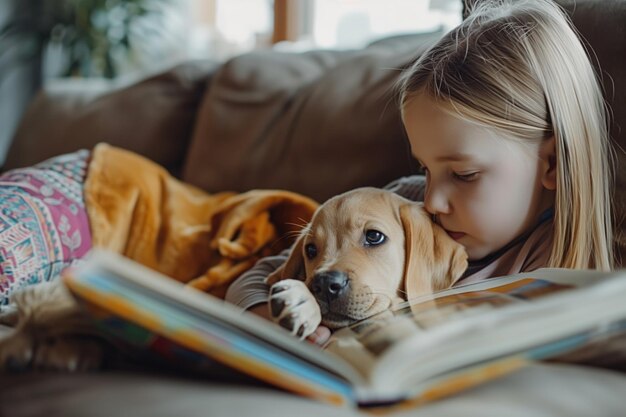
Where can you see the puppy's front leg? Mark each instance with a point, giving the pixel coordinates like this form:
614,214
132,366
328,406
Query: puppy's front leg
294,307
51,332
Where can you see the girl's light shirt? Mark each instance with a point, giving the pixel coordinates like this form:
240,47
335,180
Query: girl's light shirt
529,254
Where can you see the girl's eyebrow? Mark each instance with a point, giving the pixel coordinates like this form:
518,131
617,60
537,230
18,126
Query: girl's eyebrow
456,157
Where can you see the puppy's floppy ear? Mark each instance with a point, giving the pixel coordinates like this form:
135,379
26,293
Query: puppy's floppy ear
433,260
293,268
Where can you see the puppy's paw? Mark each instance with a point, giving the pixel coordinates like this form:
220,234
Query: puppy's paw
293,307
22,351
69,353
9,315
16,351
50,332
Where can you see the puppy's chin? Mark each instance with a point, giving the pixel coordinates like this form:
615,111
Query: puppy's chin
335,320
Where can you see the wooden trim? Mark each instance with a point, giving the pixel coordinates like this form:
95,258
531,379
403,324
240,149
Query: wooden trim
205,12
286,20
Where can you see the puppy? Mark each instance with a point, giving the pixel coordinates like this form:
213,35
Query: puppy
363,252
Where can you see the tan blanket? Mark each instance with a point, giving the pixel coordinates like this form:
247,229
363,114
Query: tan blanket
138,209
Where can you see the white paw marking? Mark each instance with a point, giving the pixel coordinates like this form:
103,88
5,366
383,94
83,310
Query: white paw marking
293,307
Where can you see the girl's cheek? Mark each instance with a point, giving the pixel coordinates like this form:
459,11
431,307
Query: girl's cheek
477,207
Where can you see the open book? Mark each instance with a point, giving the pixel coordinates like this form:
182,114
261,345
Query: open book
428,348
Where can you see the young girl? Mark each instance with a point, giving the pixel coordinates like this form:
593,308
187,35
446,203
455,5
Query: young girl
506,116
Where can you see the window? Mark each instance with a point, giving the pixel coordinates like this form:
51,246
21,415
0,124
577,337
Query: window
222,28
354,23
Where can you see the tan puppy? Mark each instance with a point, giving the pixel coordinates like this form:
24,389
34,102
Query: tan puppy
363,252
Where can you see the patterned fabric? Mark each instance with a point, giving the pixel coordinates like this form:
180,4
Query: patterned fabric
43,222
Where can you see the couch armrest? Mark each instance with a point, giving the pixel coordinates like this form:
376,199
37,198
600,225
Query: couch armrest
153,117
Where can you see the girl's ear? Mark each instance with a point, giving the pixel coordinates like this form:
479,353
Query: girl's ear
547,153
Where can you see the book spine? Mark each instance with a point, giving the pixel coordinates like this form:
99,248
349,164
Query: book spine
107,294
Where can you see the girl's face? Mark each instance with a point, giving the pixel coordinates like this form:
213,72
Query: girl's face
483,188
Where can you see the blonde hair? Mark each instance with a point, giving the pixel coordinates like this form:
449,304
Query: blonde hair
519,67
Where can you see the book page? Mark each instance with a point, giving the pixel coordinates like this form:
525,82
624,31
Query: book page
364,342
603,348
442,308
528,319
450,315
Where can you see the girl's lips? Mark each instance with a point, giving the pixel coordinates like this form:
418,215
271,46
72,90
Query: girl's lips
455,235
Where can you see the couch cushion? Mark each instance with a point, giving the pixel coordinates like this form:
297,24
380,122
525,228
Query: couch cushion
539,390
153,117
316,123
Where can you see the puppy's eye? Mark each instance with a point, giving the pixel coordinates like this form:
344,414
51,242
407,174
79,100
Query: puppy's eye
310,250
374,237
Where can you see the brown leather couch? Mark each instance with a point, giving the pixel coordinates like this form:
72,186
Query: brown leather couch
318,123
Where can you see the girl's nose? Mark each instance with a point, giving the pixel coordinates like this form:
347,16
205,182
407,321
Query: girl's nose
436,200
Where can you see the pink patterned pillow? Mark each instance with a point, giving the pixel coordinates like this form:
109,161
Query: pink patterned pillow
43,222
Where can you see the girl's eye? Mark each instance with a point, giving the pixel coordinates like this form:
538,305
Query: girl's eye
310,250
471,176
374,237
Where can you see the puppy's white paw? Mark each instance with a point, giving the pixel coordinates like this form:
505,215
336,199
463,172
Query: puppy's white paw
66,353
293,307
50,332
16,351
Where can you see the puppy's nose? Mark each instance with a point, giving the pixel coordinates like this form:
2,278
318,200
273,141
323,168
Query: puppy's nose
331,284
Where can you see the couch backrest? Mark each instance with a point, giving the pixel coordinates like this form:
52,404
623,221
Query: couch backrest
153,117
602,25
318,123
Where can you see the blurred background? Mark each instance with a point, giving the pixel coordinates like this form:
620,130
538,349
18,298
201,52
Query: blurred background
118,41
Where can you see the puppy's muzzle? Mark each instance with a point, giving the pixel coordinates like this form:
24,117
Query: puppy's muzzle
329,285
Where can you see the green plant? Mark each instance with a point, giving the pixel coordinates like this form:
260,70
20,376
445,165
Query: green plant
93,34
